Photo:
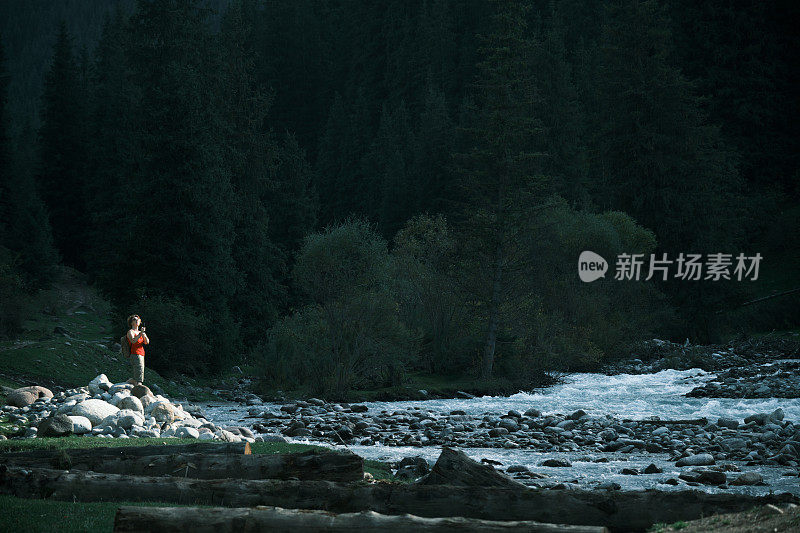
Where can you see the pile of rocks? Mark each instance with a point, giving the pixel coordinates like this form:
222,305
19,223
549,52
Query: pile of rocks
778,379
763,438
106,409
655,355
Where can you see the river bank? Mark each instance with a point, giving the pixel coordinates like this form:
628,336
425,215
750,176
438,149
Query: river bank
628,427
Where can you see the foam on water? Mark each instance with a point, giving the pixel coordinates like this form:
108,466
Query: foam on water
634,396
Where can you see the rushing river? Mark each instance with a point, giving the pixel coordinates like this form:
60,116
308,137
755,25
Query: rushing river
622,395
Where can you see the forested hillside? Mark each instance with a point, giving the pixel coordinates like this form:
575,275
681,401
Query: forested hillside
343,192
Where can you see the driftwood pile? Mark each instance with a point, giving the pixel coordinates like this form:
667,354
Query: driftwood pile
306,491
326,491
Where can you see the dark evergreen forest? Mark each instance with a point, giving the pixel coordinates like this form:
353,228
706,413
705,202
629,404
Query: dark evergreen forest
341,193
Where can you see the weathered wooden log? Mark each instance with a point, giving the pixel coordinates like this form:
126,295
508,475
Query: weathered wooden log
312,464
617,510
231,448
454,467
224,520
693,421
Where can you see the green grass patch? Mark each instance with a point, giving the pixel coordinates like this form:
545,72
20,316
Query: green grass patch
378,469
45,516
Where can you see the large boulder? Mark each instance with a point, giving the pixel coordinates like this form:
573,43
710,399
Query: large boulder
95,410
413,467
711,477
117,387
729,423
25,396
80,424
163,412
55,426
124,419
141,390
146,400
758,418
701,459
454,467
187,433
227,436
776,415
118,397
100,384
131,402
748,478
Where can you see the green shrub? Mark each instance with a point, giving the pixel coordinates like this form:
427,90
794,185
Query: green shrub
350,336
562,323
429,299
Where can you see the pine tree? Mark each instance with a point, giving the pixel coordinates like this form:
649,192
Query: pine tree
331,162
63,153
502,183
29,232
250,155
5,150
390,171
180,231
111,160
343,184
24,227
292,199
562,111
433,144
655,154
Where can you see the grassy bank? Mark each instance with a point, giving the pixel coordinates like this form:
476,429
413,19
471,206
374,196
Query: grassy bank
759,519
68,339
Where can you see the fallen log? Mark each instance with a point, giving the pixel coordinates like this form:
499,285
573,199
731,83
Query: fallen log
617,510
230,448
693,421
312,464
224,520
454,467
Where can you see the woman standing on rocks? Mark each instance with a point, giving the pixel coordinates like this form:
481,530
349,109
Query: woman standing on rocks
136,340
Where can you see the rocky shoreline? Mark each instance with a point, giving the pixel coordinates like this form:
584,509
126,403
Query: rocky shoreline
778,379
110,410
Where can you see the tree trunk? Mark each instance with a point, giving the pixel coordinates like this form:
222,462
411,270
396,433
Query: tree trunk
137,451
224,520
494,318
625,510
312,464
